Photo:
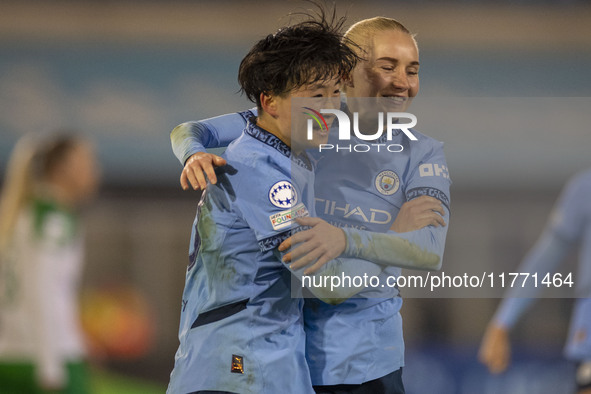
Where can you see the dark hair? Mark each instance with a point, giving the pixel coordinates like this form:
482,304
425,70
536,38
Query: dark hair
307,52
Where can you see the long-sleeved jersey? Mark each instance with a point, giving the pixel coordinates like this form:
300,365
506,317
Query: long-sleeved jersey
241,324
241,331
569,226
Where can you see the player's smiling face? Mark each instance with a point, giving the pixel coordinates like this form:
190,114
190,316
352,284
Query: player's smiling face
391,68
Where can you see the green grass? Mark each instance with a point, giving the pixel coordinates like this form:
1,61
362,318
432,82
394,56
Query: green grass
108,383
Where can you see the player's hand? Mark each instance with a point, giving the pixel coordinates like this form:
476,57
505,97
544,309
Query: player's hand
495,349
196,166
418,213
318,245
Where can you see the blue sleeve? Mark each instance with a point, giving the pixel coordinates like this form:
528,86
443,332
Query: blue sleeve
421,249
568,216
429,176
191,137
548,252
563,230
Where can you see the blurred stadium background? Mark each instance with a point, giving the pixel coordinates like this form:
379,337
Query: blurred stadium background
127,72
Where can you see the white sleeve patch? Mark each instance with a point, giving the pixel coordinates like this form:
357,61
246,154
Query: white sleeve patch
431,169
283,219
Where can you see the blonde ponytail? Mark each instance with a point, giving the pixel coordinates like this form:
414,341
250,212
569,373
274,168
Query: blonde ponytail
17,189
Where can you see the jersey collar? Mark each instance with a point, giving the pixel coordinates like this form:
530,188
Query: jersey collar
274,142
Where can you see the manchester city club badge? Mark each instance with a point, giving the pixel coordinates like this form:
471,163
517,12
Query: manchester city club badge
387,182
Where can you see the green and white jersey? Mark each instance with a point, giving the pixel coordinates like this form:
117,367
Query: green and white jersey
39,277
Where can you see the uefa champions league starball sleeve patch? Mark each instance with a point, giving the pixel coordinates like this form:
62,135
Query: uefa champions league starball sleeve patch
283,195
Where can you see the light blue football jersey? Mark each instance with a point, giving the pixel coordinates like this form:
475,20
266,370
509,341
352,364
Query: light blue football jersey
360,339
569,226
365,191
241,330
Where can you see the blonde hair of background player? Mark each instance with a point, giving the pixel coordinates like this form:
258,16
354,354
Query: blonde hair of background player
361,32
16,190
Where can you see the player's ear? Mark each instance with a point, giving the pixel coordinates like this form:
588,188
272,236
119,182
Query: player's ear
269,103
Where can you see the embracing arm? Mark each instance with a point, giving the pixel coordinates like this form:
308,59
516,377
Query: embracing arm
418,249
421,249
422,243
327,284
421,226
196,136
191,139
